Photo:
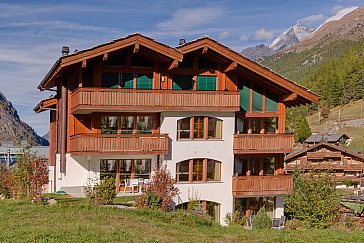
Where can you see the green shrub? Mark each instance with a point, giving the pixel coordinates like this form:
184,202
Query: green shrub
262,220
314,199
102,193
236,218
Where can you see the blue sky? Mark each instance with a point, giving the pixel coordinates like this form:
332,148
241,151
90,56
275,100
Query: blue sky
32,33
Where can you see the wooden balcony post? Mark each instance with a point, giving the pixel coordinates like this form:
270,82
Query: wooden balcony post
117,180
261,166
249,169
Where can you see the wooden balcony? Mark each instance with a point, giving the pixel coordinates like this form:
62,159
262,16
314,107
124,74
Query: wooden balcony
262,185
263,143
96,144
325,166
87,100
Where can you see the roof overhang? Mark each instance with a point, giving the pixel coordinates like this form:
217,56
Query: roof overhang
296,94
135,40
47,104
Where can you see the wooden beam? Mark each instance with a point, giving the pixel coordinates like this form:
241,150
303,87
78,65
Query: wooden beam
205,49
289,97
136,47
173,65
84,64
231,67
105,57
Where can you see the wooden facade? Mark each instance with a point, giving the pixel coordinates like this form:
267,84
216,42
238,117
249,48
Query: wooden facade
325,156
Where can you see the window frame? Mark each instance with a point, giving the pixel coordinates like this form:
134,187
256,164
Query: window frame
198,171
202,122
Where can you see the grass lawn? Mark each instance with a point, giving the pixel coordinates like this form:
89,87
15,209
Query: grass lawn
72,220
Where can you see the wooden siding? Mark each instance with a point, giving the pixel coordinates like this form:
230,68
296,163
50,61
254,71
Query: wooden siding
87,100
264,143
93,144
325,166
261,185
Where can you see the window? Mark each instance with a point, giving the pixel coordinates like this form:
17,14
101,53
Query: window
244,98
269,124
107,168
144,124
142,168
257,99
110,80
183,128
198,131
182,171
214,128
203,128
127,80
109,124
206,83
202,170
144,81
271,102
254,166
182,82
129,124
125,169
213,170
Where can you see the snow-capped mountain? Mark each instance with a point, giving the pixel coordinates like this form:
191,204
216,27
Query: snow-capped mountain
288,38
291,37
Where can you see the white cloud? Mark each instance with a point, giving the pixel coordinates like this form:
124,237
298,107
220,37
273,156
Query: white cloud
263,34
244,37
223,35
189,20
312,19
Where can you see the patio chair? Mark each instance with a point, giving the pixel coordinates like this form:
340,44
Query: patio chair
283,220
249,222
130,185
276,222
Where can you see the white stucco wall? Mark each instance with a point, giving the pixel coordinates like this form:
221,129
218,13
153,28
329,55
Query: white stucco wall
221,150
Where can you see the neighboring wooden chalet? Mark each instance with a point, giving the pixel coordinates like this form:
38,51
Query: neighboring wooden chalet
346,164
337,138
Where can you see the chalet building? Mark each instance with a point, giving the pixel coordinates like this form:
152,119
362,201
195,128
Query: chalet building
344,163
213,117
337,138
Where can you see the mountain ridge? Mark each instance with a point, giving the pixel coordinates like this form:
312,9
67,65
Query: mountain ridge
13,128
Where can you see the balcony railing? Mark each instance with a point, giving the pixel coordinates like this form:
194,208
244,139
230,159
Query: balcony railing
263,143
87,144
262,185
87,100
325,166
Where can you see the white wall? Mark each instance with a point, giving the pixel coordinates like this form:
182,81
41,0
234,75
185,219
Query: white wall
221,150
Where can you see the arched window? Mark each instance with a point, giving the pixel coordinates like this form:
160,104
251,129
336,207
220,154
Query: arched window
199,127
202,170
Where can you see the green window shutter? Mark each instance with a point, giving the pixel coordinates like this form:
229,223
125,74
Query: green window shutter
257,99
110,80
182,82
245,99
206,83
127,81
144,81
271,103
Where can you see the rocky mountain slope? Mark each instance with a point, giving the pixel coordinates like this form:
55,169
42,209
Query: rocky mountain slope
288,38
12,128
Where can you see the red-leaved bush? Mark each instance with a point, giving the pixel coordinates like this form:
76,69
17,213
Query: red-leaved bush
38,178
160,192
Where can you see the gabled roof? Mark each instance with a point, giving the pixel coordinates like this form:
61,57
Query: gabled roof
330,138
329,145
207,42
105,48
47,104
